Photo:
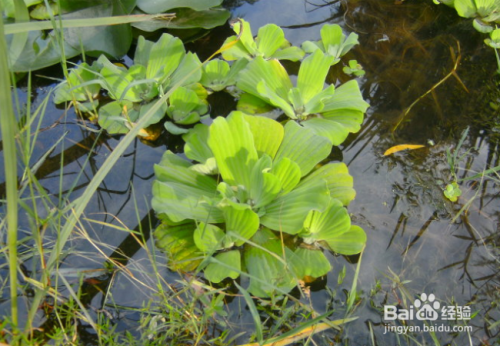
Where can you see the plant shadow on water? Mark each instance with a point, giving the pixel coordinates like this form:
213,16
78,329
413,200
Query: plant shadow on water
405,49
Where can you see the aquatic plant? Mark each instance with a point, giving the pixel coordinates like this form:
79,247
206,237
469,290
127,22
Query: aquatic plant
270,43
484,12
158,66
218,75
333,42
331,112
268,183
41,48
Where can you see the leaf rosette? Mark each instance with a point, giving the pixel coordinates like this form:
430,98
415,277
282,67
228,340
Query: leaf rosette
252,179
331,112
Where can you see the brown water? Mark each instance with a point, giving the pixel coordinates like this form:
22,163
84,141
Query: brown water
405,49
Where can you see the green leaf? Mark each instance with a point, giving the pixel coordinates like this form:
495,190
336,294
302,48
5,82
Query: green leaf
346,97
310,262
349,243
196,147
180,202
185,107
272,73
172,168
164,57
465,8
251,104
452,191
312,74
268,271
224,265
269,39
237,50
209,238
113,119
174,129
155,6
303,147
288,212
267,133
246,36
335,132
338,181
240,219
232,143
214,74
288,173
69,90
333,226
264,186
177,241
190,63
290,53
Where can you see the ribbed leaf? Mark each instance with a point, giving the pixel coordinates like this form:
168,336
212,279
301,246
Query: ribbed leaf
246,36
155,6
338,181
250,104
312,74
288,173
350,119
269,39
240,219
264,186
232,143
332,130
267,267
185,106
303,147
215,74
177,241
465,8
180,202
113,117
271,72
237,50
164,57
348,243
273,98
267,134
209,238
119,81
288,212
84,73
226,265
196,147
310,262
347,96
190,63
173,168
290,53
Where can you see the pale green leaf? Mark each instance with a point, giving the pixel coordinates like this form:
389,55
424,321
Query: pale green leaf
338,180
232,144
240,219
209,238
347,96
191,67
246,36
267,133
289,53
236,51
273,98
180,202
351,242
164,57
196,147
224,265
215,74
332,130
269,39
288,173
288,212
310,262
264,186
312,74
465,8
113,119
269,273
321,225
303,146
251,104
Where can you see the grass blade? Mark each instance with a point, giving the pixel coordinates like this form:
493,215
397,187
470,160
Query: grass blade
254,312
9,130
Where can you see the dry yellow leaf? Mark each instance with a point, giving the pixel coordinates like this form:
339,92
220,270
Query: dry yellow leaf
401,147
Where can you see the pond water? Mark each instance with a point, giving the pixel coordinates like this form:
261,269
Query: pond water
413,232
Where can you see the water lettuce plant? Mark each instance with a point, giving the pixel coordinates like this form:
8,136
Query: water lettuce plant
158,66
484,12
218,75
270,43
331,112
333,42
267,211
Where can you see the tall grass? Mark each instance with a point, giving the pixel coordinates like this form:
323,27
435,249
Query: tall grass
9,129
